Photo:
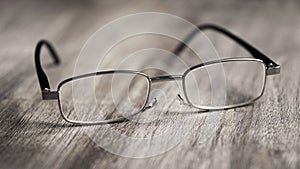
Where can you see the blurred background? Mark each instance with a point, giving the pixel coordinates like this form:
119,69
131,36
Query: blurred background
68,24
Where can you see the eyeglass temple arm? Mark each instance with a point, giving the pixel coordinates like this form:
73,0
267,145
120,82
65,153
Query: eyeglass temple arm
42,77
272,67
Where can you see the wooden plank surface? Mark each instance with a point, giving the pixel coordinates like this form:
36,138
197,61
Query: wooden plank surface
33,134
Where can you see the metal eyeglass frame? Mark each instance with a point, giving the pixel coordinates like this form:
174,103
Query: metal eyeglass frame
271,68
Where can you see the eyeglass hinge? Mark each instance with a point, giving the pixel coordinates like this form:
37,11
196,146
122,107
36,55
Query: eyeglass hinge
273,69
47,94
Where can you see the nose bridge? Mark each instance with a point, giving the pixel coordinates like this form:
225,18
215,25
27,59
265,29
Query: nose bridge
166,78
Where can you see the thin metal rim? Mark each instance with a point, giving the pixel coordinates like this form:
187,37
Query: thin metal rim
223,61
182,77
78,122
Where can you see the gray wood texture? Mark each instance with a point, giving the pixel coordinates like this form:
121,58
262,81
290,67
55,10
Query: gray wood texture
33,134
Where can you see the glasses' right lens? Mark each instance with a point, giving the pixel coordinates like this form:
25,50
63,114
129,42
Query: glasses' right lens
104,97
225,84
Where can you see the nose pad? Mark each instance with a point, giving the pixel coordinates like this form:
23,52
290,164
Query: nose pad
152,104
181,101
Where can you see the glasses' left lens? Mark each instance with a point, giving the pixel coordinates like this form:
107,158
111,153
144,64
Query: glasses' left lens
104,97
225,84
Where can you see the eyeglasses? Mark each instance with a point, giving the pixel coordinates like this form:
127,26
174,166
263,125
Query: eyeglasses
119,94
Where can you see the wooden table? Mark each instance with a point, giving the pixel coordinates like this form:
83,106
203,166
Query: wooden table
33,135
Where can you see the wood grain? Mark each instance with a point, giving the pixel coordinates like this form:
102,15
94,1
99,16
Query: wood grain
33,134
